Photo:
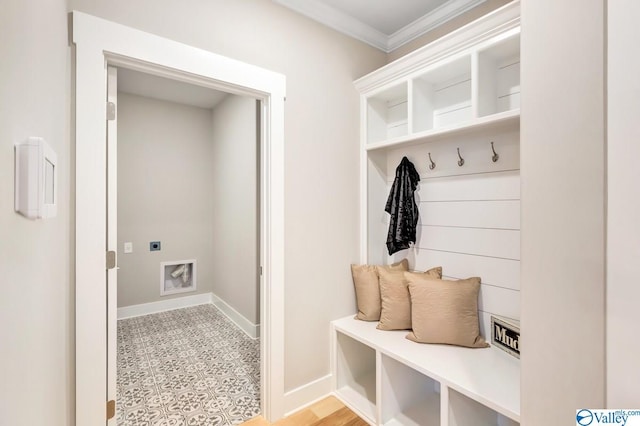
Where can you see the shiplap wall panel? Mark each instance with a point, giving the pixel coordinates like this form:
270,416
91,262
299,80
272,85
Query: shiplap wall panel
452,101
509,84
485,186
497,272
397,118
497,299
482,242
495,214
469,215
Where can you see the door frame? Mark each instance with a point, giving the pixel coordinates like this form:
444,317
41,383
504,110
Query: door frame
98,43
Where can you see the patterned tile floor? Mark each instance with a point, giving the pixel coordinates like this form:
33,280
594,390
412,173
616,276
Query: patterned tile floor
190,367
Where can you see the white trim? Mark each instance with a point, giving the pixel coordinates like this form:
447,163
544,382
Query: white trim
164,305
496,23
307,394
339,21
252,330
428,22
98,42
353,27
112,239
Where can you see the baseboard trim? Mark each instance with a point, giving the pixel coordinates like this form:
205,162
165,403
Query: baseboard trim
164,305
252,330
305,395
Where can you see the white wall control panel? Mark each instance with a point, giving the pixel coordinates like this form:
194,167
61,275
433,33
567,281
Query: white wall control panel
36,179
128,247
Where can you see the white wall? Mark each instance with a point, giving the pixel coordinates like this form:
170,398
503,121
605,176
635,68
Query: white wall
165,153
36,257
563,209
623,211
234,192
321,150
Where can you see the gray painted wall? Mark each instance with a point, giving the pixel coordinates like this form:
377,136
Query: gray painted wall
234,192
36,257
165,153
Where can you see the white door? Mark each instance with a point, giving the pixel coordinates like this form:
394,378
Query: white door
112,237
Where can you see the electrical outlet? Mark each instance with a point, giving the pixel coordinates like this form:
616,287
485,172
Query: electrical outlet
154,246
128,247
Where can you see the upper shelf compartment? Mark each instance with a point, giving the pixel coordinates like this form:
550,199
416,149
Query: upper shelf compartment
442,96
499,77
387,114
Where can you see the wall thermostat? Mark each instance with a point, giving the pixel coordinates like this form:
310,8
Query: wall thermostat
36,179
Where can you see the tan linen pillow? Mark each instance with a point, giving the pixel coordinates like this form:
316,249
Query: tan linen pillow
396,302
365,280
444,311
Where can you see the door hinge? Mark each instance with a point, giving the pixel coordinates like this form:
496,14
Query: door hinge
111,111
111,409
261,271
111,259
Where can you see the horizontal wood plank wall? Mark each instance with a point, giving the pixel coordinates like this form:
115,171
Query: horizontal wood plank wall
469,215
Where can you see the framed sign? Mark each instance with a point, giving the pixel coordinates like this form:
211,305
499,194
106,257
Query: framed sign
505,335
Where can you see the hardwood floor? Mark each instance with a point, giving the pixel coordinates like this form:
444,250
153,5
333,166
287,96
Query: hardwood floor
327,412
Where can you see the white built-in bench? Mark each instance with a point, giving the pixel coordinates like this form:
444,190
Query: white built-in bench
389,380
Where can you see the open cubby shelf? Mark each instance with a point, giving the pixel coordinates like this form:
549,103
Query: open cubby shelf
389,380
479,86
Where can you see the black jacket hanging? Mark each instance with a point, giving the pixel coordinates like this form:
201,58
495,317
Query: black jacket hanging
401,205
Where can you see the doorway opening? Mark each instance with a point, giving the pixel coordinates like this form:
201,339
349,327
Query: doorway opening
187,211
98,43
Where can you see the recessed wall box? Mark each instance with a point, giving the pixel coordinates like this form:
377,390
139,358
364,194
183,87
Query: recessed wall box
36,179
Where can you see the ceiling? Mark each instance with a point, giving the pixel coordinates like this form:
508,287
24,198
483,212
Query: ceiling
164,89
385,24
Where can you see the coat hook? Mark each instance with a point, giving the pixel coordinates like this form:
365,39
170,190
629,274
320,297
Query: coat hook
432,165
495,157
461,160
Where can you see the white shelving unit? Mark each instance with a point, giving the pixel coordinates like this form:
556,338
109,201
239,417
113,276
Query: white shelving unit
457,96
413,384
498,77
442,96
413,398
356,374
387,114
476,87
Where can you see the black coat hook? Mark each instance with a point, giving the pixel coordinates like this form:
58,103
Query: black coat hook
495,156
432,165
461,160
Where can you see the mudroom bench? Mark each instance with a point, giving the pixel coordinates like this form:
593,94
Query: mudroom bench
389,380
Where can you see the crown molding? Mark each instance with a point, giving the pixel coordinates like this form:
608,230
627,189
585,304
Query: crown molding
357,29
338,20
431,20
504,21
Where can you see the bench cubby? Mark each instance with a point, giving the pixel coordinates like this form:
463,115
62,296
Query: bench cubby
389,380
